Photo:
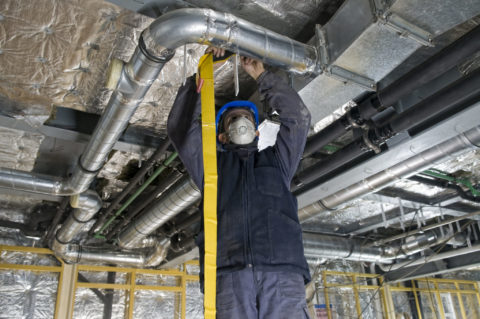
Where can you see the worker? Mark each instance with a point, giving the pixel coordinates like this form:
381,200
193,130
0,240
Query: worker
261,267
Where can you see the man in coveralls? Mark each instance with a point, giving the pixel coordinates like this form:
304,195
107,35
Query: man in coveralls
261,267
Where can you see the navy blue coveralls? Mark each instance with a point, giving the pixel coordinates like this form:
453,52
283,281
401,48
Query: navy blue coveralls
259,234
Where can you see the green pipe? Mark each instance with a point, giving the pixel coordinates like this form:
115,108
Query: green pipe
137,193
443,175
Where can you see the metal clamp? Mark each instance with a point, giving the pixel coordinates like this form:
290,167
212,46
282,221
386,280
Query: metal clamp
369,143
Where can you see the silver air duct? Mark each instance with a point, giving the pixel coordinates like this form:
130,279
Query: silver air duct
85,205
156,47
176,199
153,257
205,26
452,147
333,247
432,258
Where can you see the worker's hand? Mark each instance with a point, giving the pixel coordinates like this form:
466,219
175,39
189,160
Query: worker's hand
217,52
253,67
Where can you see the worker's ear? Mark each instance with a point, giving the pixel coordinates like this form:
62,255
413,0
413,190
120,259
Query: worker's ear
222,138
257,133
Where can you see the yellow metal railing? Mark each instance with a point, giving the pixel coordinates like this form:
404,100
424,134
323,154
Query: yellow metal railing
432,297
35,268
430,289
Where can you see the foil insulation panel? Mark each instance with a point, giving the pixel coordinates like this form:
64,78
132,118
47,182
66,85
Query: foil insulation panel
18,149
28,295
89,306
56,52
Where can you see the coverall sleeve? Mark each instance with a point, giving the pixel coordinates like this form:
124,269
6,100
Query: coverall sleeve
295,121
185,130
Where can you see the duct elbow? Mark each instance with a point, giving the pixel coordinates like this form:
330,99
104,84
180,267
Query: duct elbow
205,26
158,254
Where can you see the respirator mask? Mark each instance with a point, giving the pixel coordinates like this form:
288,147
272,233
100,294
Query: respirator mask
239,121
241,131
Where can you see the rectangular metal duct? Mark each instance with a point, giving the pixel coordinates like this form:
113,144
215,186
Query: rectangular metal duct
365,40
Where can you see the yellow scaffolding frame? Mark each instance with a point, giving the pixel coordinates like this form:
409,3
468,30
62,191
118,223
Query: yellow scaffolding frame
460,289
386,291
35,268
131,287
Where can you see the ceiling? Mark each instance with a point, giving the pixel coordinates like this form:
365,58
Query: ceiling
54,64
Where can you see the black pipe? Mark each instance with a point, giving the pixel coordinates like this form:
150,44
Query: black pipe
56,220
464,91
443,61
171,228
23,228
182,243
455,97
332,162
131,185
108,301
325,136
149,200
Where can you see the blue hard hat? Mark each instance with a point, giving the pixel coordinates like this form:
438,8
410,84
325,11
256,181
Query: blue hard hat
237,104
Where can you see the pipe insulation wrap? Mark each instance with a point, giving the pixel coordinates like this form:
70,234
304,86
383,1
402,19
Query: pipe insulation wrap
205,26
176,199
88,204
135,80
439,153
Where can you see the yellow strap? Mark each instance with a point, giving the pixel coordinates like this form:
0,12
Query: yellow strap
209,142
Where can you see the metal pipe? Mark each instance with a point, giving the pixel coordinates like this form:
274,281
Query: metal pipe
464,92
205,26
427,259
176,199
132,183
85,205
155,174
135,210
452,147
437,65
152,257
425,228
334,247
446,59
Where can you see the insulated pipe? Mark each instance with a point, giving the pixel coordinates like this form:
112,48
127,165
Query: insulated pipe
446,59
462,92
136,78
427,259
205,26
333,247
72,253
450,148
85,205
176,199
443,61
159,153
149,200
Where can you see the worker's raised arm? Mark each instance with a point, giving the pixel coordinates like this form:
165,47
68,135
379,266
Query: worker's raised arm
185,130
294,117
